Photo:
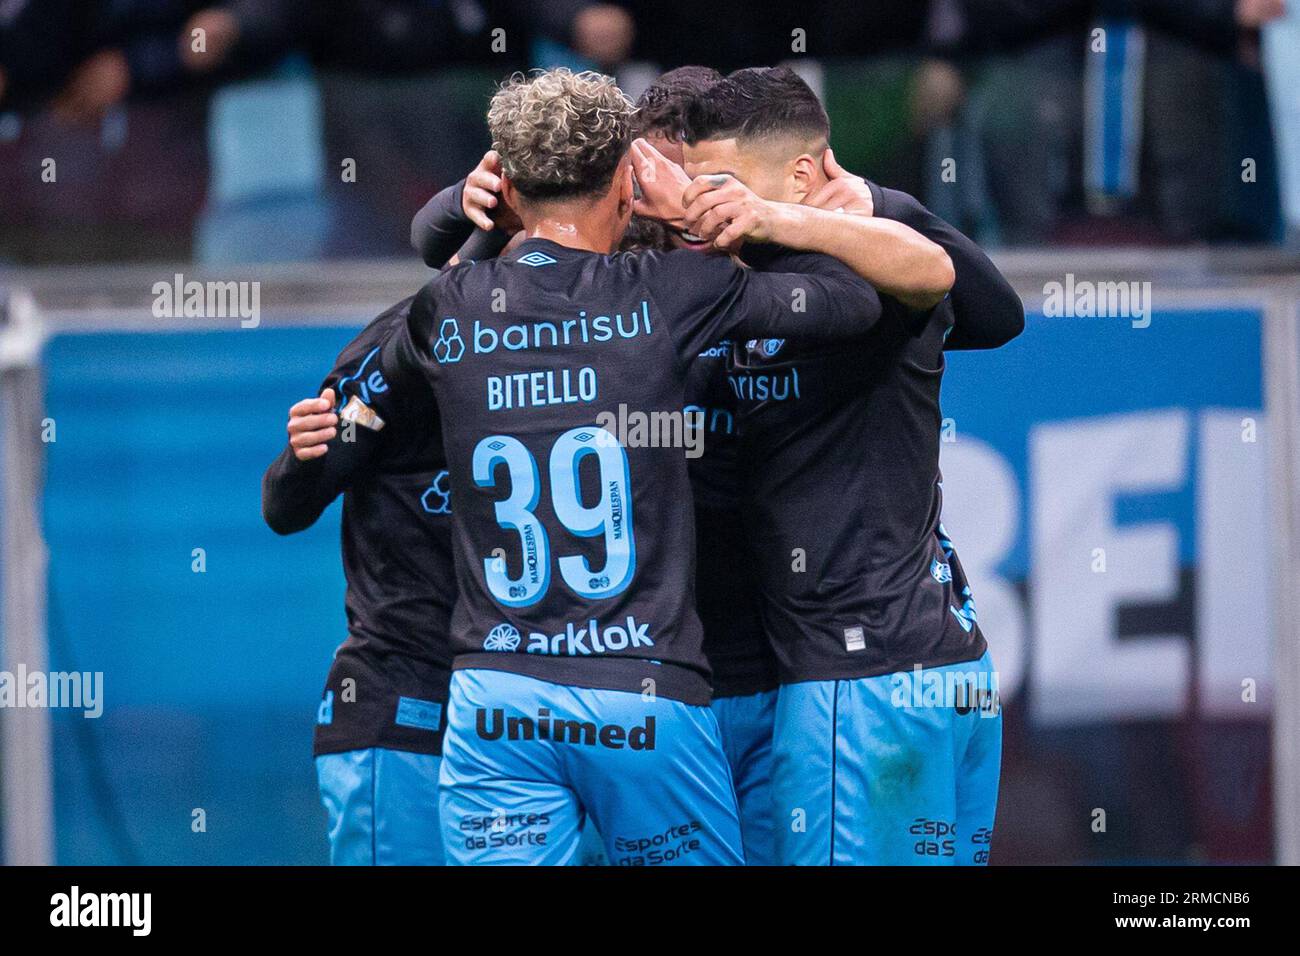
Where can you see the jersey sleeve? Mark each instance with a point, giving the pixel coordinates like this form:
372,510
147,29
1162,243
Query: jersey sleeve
705,298
441,229
371,419
483,244
405,358
441,226
295,493
987,311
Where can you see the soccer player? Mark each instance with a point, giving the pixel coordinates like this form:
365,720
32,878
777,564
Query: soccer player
739,655
380,721
579,686
741,658
888,727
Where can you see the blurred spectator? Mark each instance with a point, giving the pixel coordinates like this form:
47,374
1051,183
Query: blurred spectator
603,33
1004,114
83,57
410,125
1281,58
40,43
729,34
397,37
1050,105
985,26
243,35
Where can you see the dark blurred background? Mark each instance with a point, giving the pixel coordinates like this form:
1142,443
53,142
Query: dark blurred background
220,132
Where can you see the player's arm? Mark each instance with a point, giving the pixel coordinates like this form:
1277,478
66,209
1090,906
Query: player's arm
792,293
405,358
333,443
896,259
468,220
892,256
441,226
335,439
705,298
987,311
321,461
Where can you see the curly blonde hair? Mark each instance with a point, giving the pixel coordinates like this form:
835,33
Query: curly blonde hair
560,133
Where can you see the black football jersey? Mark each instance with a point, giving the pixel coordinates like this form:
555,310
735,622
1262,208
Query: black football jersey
560,376
388,683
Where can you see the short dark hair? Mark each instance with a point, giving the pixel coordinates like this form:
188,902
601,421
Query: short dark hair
758,102
643,233
662,107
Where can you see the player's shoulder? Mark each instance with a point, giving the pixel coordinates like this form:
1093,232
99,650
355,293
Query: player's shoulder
678,268
451,285
375,333
357,374
895,203
446,280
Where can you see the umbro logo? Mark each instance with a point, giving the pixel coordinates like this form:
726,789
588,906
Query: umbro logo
536,259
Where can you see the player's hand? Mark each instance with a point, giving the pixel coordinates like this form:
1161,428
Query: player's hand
723,210
844,193
662,184
312,423
482,200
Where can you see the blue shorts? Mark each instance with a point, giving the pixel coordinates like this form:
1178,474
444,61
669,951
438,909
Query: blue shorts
746,727
591,848
525,761
383,807
897,769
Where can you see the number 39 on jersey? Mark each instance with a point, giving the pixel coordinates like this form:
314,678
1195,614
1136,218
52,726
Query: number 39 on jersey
611,516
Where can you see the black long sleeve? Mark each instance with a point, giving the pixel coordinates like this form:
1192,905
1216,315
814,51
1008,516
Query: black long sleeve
987,310
482,244
441,226
295,493
441,229
289,501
